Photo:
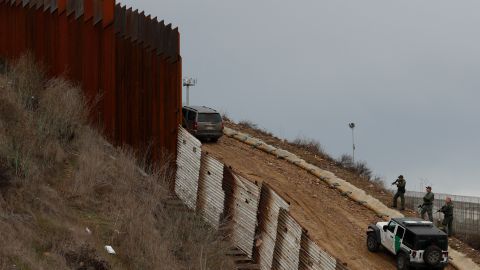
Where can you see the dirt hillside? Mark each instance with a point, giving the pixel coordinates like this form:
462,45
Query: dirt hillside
337,223
316,156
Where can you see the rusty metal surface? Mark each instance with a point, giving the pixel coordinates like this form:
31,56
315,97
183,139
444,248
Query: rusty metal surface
53,6
269,209
108,12
78,9
85,41
150,33
211,196
141,28
247,197
244,198
188,168
134,29
70,7
46,4
314,258
97,11
287,246
118,20
88,10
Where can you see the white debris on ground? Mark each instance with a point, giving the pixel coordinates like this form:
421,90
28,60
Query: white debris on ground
110,249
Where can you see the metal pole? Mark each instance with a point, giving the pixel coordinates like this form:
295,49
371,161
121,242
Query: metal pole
352,126
189,82
353,148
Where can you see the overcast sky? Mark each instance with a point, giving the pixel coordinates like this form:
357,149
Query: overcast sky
406,72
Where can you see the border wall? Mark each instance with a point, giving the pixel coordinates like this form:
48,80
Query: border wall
127,63
253,214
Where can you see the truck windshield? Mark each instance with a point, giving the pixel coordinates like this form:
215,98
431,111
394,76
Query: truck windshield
209,117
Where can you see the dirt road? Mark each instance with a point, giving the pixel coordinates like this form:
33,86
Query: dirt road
336,223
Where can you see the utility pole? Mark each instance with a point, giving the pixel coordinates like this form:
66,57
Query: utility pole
352,126
189,82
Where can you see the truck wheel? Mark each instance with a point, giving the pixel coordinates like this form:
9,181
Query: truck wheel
432,255
403,261
372,243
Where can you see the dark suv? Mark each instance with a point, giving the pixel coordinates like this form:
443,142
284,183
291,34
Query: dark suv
202,122
416,243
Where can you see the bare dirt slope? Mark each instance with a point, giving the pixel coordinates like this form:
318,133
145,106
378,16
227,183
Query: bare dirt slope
336,223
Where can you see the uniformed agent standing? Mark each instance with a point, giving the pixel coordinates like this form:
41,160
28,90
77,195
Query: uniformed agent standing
447,211
427,206
400,182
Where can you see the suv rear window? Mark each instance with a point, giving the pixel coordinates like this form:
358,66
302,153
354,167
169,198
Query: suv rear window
423,241
209,117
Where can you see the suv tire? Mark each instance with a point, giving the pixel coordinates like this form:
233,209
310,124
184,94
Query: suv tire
372,242
403,261
432,255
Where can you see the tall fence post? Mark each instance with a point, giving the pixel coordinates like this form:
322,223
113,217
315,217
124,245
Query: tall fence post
108,90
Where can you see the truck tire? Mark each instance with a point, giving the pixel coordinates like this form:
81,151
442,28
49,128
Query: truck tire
403,261
432,255
372,242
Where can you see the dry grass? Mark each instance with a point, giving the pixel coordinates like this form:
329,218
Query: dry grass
471,239
250,125
225,116
360,167
59,177
309,145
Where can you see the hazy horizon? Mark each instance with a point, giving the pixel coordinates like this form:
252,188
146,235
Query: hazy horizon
406,72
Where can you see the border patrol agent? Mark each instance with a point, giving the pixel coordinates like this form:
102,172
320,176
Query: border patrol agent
427,206
401,183
447,211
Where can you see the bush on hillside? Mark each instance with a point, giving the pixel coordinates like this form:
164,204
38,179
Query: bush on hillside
309,145
360,167
250,125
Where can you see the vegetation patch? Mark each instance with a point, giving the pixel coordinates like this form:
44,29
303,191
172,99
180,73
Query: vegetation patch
65,192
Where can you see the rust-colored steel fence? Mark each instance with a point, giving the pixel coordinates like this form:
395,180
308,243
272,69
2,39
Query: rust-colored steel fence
128,64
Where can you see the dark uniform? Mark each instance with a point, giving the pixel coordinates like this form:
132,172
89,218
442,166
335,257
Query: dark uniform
401,183
447,211
427,206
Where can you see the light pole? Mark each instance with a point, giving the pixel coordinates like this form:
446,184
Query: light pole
352,126
189,82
